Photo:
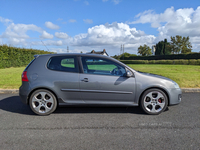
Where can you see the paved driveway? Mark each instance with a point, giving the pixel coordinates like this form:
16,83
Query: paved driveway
100,127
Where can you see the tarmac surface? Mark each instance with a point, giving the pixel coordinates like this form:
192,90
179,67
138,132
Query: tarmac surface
104,128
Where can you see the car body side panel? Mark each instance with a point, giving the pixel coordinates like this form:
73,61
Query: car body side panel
102,88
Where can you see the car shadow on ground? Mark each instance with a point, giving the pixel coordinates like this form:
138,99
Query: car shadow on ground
99,109
13,104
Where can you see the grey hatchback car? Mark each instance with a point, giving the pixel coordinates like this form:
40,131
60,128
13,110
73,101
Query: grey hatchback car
90,79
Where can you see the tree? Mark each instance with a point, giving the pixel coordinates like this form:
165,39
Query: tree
180,44
163,48
144,50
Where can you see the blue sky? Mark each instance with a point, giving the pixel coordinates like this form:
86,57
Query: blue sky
84,25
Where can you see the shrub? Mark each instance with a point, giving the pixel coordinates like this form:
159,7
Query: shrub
17,57
165,57
171,62
181,62
152,62
192,62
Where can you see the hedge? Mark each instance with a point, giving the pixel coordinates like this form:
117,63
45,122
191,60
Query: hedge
17,57
165,57
173,62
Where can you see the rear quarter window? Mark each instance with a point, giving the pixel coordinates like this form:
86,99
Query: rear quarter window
63,63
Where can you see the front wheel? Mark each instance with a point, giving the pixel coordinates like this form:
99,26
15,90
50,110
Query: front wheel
154,101
43,102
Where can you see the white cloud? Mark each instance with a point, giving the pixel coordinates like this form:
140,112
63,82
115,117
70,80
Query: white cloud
48,43
59,19
114,1
183,22
46,35
86,2
5,20
16,34
17,41
89,21
61,35
114,35
72,20
50,25
57,43
19,30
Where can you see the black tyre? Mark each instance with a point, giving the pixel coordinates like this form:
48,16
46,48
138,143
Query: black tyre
43,102
154,101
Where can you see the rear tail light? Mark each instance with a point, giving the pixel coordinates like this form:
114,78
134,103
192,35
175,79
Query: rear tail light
24,76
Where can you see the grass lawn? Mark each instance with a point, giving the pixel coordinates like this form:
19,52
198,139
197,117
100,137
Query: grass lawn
187,76
10,78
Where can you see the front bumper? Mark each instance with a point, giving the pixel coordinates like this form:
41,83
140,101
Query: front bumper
175,96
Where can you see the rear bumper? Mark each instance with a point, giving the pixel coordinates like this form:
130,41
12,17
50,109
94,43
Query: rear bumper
175,96
23,93
23,98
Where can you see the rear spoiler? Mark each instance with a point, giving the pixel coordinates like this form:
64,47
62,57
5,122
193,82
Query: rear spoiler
36,56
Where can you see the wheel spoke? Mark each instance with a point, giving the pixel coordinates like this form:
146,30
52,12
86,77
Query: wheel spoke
153,109
161,104
38,107
159,95
147,103
47,109
149,95
43,94
49,100
35,99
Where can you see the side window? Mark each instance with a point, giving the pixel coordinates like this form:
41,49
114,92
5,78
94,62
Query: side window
68,62
63,63
92,65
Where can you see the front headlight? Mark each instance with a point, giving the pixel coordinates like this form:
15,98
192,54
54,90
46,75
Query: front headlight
175,85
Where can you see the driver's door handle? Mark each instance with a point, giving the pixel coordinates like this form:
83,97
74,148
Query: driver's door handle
85,80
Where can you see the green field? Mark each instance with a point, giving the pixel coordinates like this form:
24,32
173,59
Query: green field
187,76
10,78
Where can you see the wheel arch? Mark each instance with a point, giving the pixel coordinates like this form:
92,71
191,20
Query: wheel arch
167,94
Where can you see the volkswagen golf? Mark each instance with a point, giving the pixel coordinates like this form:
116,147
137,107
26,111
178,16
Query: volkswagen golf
54,80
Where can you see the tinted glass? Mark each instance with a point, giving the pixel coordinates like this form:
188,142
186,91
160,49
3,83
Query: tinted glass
102,67
63,63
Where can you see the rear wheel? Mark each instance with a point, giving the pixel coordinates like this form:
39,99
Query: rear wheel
154,101
43,102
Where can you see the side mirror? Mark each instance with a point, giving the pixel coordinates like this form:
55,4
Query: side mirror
129,74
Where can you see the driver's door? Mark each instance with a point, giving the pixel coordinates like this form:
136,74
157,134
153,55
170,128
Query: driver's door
104,81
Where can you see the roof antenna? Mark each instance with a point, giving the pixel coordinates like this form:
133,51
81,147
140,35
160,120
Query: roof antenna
44,45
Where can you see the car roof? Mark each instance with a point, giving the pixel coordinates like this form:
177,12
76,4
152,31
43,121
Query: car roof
72,54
